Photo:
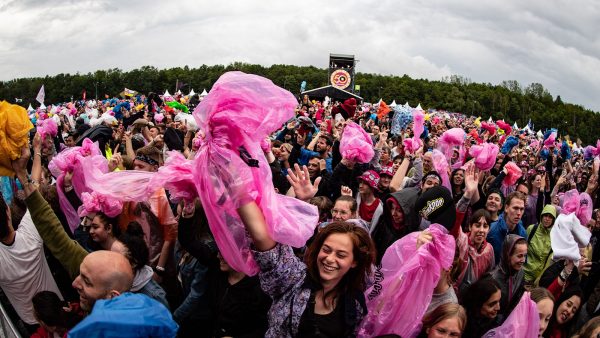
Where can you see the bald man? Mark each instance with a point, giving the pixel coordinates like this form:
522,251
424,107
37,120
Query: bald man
102,275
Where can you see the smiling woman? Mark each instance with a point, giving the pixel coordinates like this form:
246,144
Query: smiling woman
323,295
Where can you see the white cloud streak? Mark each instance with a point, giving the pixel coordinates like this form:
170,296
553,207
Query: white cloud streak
553,43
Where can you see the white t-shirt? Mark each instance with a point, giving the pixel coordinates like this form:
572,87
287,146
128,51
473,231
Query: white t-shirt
24,270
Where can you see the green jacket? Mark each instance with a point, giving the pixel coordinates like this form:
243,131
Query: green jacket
539,250
66,250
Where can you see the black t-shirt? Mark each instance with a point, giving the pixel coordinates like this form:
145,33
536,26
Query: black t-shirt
322,326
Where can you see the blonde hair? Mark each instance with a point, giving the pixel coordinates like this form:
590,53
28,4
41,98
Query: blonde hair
445,311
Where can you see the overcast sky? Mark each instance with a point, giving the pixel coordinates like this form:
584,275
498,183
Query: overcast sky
555,43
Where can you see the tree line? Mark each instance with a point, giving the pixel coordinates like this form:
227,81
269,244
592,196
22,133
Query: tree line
508,100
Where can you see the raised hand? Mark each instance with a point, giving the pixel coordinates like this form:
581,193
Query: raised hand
346,191
300,181
471,178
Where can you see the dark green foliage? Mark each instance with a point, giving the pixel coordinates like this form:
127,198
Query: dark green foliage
508,100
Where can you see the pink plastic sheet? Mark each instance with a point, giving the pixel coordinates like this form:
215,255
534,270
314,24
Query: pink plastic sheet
451,138
580,204
411,145
523,321
484,155
504,126
69,160
356,145
47,127
440,163
490,127
240,110
404,284
94,202
514,173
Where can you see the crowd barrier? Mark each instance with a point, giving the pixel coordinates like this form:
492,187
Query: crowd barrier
7,328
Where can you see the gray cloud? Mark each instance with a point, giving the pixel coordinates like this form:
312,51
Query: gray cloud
553,43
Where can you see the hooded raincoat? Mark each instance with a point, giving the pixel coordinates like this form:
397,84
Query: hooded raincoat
539,250
512,283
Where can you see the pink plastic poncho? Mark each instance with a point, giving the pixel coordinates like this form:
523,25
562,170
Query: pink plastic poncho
239,111
404,284
550,140
356,145
440,163
411,145
451,138
484,155
580,204
523,321
69,160
489,127
47,127
504,126
94,202
514,173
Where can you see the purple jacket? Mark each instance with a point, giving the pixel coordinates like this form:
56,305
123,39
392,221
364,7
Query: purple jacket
282,277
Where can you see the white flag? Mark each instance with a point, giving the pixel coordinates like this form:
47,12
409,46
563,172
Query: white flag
41,95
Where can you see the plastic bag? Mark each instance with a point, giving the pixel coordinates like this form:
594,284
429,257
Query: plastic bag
514,173
94,202
523,321
404,284
550,137
356,145
47,127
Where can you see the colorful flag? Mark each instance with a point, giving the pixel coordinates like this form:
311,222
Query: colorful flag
383,110
41,95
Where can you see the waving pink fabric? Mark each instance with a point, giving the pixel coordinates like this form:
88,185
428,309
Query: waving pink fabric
550,140
411,145
523,321
451,138
239,111
580,204
177,176
484,155
504,126
94,202
514,173
490,127
47,127
404,284
440,163
69,160
356,144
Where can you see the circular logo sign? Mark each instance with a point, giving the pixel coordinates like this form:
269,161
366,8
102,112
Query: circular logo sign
340,79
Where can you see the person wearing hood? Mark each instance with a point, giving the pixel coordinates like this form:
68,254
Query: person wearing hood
539,249
392,225
509,273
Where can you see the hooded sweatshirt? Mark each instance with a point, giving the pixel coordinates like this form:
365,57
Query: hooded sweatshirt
384,233
539,249
511,282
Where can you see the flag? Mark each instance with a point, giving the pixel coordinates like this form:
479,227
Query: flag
41,95
179,85
383,110
128,93
83,94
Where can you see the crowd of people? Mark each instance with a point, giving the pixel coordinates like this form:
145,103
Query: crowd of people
247,213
